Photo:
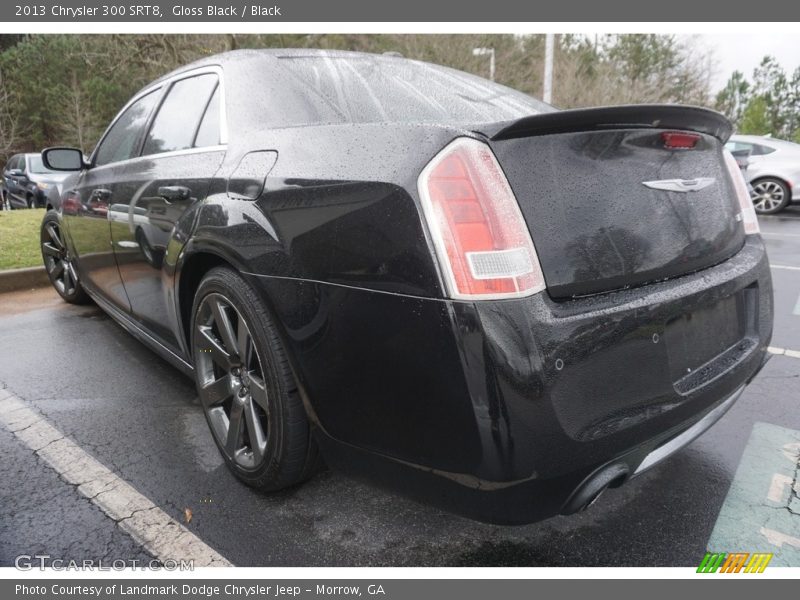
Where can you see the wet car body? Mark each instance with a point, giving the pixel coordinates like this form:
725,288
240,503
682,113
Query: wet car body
657,309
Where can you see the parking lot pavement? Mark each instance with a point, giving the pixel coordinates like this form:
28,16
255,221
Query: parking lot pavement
40,515
140,418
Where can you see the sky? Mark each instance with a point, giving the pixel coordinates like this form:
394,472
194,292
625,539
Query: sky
743,52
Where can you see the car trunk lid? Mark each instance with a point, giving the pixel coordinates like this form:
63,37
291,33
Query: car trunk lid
610,205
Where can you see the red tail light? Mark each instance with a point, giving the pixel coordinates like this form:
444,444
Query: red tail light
679,140
480,237
749,218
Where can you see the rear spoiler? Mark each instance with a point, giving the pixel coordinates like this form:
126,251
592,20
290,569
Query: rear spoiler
634,116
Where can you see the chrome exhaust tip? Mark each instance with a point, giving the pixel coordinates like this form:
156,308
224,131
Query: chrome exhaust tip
593,486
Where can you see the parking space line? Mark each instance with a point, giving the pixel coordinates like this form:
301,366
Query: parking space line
161,535
783,352
787,267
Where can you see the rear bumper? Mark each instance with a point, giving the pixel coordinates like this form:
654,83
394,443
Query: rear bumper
502,410
522,501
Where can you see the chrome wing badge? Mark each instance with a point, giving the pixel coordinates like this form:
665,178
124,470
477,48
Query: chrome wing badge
680,185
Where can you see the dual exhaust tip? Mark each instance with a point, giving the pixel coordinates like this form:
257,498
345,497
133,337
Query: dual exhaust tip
594,485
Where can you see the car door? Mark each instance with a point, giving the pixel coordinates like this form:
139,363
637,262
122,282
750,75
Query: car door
762,162
15,180
87,206
181,152
7,176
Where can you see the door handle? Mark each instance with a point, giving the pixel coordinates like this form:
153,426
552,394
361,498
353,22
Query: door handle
174,193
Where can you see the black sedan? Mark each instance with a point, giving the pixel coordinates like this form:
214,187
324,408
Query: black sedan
428,279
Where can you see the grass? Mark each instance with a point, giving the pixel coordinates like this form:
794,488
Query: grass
19,238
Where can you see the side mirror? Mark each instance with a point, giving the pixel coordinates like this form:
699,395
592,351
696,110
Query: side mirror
16,172
63,159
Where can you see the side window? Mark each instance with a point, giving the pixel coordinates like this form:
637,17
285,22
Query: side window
208,133
177,120
122,140
759,150
736,146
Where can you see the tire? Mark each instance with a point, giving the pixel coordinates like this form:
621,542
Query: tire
58,262
272,448
770,195
31,202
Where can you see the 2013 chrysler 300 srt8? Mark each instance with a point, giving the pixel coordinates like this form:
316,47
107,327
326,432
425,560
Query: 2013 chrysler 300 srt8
429,279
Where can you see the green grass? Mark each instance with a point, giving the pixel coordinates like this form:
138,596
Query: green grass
19,238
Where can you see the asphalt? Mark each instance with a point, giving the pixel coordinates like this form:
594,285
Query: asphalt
141,418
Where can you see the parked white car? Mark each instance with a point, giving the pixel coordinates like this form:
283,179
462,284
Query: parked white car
773,171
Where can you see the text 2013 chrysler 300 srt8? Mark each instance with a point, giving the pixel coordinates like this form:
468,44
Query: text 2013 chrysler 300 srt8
426,278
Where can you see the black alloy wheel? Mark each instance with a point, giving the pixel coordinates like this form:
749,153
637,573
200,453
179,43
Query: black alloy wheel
58,261
246,387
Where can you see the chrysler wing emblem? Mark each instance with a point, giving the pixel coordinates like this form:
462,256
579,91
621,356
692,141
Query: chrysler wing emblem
680,185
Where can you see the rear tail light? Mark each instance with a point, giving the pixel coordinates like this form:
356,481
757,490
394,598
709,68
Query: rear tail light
481,240
749,219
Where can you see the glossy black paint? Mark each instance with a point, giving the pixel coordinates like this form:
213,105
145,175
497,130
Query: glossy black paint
641,116
598,227
496,409
496,430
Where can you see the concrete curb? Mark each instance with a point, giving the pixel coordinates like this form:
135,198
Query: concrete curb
12,280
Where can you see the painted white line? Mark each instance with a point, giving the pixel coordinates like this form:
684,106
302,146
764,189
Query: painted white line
783,352
786,267
779,488
161,535
777,538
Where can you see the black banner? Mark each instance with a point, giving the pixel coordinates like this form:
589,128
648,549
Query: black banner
514,11
386,589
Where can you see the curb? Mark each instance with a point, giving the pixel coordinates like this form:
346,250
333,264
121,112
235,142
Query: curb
13,280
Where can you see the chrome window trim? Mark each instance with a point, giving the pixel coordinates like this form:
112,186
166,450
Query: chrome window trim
202,150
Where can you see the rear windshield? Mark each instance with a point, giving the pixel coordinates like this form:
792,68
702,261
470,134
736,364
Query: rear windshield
384,89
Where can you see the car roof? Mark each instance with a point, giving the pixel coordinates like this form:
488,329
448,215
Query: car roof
264,55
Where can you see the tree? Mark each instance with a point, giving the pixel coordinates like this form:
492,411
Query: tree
9,122
756,118
65,89
732,99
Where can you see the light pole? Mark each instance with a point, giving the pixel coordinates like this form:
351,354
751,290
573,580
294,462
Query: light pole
484,52
547,96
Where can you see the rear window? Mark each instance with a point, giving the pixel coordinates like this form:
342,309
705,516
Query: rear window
383,89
